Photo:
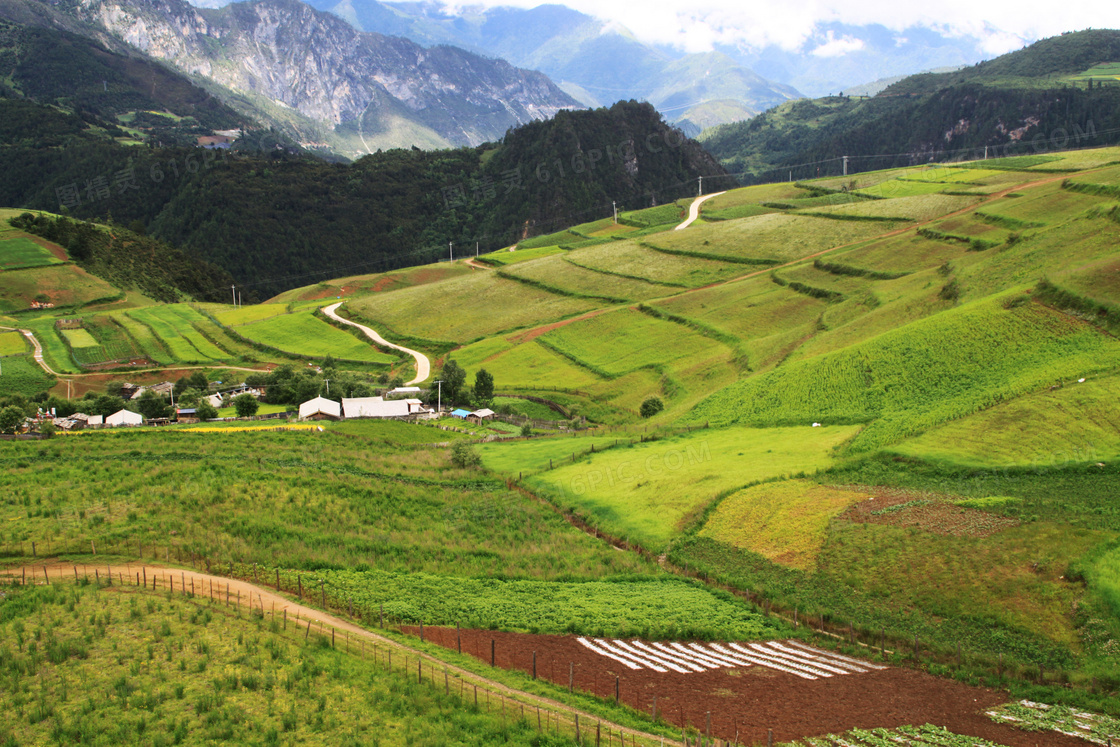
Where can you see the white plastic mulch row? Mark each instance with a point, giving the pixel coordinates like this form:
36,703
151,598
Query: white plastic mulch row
790,657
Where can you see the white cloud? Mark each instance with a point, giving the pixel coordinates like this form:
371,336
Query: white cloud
836,47
698,25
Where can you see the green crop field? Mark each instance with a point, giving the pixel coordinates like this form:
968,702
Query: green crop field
1080,426
304,334
234,317
645,492
918,208
785,522
525,365
169,669
907,252
571,279
886,382
20,374
633,259
145,338
79,338
745,196
379,282
64,285
777,236
172,326
24,252
424,311
506,257
626,340
55,352
13,343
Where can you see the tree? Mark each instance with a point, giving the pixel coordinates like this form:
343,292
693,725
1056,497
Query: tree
245,405
152,406
464,455
454,377
206,411
11,418
483,387
47,429
651,407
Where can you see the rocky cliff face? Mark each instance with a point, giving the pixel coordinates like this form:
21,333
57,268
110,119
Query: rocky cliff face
317,64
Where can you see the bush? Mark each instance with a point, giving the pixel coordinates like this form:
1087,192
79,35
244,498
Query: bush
206,411
651,407
526,430
245,405
463,454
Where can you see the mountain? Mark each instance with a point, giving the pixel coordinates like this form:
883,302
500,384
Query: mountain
327,84
595,61
278,219
1027,101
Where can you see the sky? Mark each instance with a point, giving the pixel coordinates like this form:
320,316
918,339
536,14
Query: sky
696,26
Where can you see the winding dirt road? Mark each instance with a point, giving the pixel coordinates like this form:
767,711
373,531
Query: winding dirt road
694,209
267,600
423,365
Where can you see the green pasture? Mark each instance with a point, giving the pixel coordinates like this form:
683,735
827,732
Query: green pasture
23,252
172,325
906,381
145,338
303,333
506,257
231,316
776,236
465,309
1075,422
13,343
647,492
565,278
63,285
918,208
756,195
632,259
55,352
378,282
523,365
20,374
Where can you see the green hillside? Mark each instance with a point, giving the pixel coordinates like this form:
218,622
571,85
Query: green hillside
1035,100
887,412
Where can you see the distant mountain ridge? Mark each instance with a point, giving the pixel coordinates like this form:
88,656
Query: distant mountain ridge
1007,103
285,62
595,61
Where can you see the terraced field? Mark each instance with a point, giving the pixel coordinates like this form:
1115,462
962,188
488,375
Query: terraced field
13,343
20,252
304,334
173,326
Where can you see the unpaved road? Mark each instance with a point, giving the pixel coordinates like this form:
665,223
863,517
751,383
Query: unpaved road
268,600
694,209
423,365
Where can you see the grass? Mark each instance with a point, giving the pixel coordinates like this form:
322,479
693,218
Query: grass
304,334
21,252
301,499
79,338
651,608
785,522
20,374
776,236
1080,427
569,278
464,309
147,340
122,666
918,208
633,259
63,285
646,492
622,341
505,257
264,409
55,352
234,317
13,343
526,365
172,326
379,282
890,381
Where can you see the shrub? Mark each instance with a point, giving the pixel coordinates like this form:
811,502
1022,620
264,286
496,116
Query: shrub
651,407
463,454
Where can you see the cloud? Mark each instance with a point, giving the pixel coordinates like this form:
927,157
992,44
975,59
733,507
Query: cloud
836,47
699,25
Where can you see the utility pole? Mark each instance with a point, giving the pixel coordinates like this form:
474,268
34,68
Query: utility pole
450,251
476,249
439,395
233,292
68,392
985,153
700,190
328,383
614,207
845,165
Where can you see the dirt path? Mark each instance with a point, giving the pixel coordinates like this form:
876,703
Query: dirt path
259,597
477,265
423,365
38,354
694,210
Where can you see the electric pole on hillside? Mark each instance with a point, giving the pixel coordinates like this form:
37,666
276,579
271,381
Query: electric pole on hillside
614,207
476,250
700,189
439,395
450,251
845,165
328,383
233,291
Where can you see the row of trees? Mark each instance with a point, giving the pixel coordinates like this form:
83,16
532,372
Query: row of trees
455,389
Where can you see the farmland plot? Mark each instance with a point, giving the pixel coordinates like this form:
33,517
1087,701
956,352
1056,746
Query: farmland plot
304,334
